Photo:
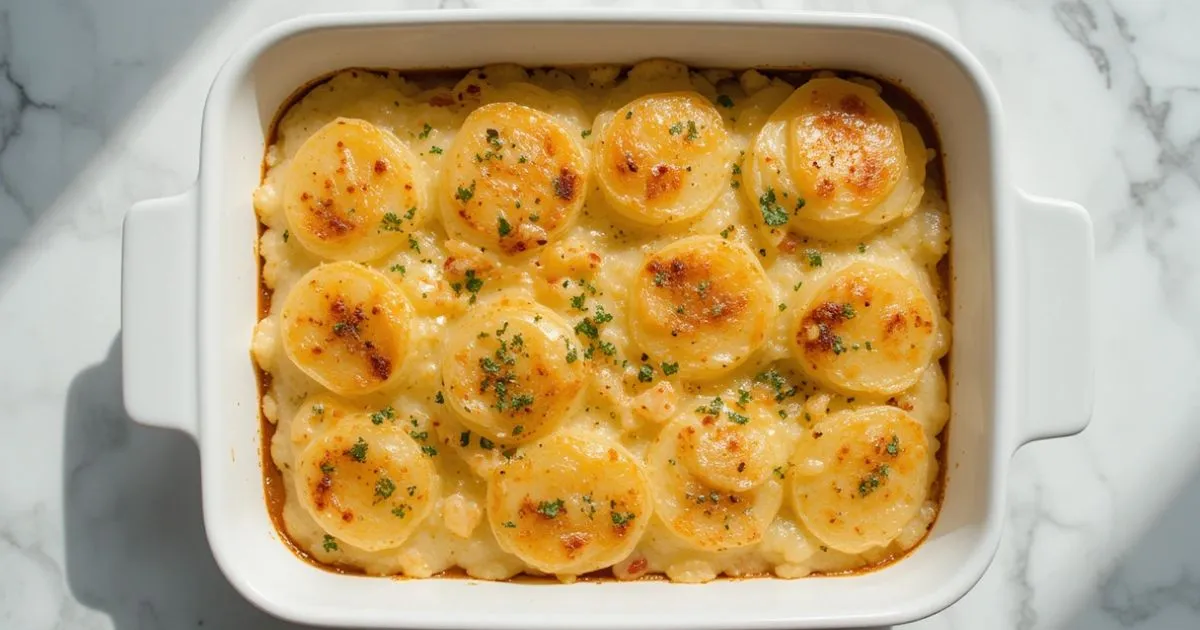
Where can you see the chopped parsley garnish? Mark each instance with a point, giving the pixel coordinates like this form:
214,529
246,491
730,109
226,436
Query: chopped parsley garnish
862,248
772,214
778,472
410,213
518,430
329,544
777,382
387,413
577,302
724,101
384,487
737,418
522,159
743,397
585,133
425,131
435,150
486,444
419,435
572,355
464,438
503,226
868,345
465,194
602,317
646,373
629,114
493,138
713,408
669,369
621,519
510,524
725,233
838,345
318,409
893,447
359,451
871,483
693,133
550,509
340,328
399,511
660,278
327,467
439,398
796,287
398,268
413,244
782,307
676,129
814,257
848,311
412,490
428,450
607,347
586,328
474,284
286,234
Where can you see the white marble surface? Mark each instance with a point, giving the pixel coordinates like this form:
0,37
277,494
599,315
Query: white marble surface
100,105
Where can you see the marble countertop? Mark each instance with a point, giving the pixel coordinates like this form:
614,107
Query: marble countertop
100,523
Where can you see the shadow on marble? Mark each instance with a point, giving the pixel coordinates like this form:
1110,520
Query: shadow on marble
71,73
1155,584
135,542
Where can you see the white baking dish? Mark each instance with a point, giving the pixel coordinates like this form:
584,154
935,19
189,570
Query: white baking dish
1021,303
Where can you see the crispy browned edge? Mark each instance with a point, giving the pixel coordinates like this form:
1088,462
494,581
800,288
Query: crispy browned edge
276,495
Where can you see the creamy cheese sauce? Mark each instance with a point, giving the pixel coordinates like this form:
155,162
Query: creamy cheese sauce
592,262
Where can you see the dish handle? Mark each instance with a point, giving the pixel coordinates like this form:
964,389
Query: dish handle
1057,251
158,312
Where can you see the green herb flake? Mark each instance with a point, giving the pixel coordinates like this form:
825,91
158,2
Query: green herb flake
387,413
435,150
399,511
868,345
743,398
358,452
585,133
465,194
439,398
713,408
893,447
646,373
782,307
429,450
400,269
464,438
877,477
675,129
486,444
772,214
504,226
384,488
550,509
425,131
736,417
629,114
814,258
724,101
862,248
327,467
510,524
329,544
318,409
286,234
838,345
779,472
669,369
622,519
413,244
693,132
577,302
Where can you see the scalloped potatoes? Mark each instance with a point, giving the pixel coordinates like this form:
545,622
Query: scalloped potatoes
556,322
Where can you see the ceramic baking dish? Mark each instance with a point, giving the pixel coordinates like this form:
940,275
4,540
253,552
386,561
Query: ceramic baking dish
1021,277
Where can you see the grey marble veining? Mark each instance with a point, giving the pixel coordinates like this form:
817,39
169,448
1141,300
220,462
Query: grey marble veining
100,522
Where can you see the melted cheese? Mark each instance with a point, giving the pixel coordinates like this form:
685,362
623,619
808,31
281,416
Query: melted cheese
582,261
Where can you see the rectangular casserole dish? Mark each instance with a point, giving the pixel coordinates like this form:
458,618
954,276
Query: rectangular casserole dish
1021,276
